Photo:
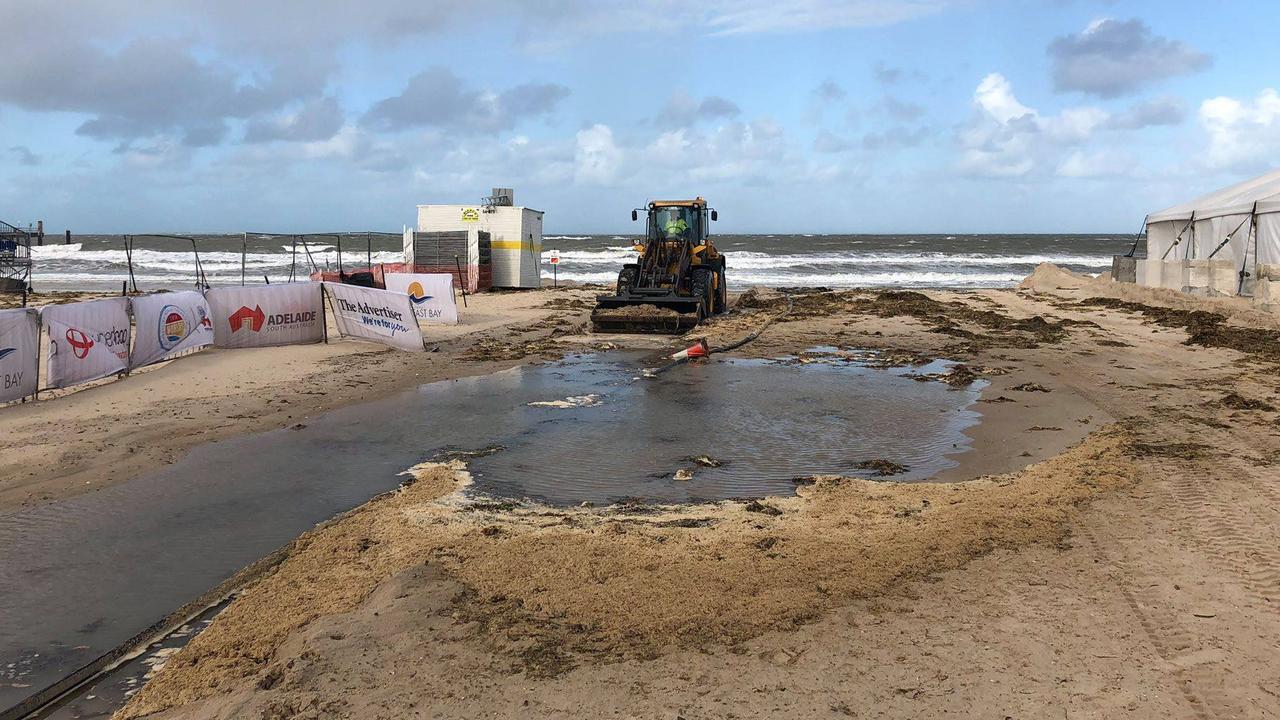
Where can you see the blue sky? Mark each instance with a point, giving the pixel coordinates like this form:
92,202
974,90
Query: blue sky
789,115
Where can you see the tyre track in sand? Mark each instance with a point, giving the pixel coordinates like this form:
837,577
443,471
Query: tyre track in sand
1207,500
1163,633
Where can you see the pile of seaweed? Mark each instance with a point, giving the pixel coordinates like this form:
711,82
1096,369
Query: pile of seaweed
1204,328
943,317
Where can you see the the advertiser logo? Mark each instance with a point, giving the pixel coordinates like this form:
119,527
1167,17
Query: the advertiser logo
255,320
375,316
79,342
6,352
417,295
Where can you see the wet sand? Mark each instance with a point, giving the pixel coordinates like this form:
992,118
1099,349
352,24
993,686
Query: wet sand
1118,561
83,439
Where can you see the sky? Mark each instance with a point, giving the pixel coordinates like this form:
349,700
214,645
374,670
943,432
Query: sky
863,116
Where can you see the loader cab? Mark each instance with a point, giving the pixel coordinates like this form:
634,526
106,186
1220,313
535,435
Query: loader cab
683,220
675,222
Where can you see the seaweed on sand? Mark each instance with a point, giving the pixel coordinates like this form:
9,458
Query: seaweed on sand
1204,328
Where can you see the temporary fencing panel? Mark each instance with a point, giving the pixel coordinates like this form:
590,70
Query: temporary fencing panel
266,315
431,295
168,324
87,340
371,314
19,353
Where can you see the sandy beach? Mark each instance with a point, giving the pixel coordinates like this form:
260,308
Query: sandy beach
1106,549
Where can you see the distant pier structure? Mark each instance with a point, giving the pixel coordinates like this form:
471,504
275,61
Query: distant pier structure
15,256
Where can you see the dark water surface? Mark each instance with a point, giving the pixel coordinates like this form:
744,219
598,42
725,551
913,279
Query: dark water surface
83,575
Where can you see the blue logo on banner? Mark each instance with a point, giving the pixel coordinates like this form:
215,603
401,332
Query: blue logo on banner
6,352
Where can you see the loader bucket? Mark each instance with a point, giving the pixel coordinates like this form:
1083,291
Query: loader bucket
662,314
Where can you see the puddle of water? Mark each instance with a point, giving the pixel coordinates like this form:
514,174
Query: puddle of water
608,439
102,697
83,575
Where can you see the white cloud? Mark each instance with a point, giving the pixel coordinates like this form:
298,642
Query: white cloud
1243,135
1103,163
1074,125
995,96
1006,138
770,16
597,159
670,149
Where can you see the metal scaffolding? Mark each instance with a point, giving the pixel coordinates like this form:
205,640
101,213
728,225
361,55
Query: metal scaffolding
15,258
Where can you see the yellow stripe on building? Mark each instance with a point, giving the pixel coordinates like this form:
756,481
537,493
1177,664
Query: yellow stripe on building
522,245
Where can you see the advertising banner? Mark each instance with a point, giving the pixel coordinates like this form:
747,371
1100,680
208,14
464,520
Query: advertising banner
19,351
430,293
378,315
266,315
169,324
87,340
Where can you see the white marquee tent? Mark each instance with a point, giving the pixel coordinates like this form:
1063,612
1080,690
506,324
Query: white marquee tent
1236,228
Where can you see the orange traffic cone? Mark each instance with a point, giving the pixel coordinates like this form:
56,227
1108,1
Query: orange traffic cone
697,350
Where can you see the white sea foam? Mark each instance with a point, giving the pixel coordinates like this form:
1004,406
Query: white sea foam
62,257
870,279
748,259
865,261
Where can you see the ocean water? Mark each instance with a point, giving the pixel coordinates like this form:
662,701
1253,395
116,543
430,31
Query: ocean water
98,262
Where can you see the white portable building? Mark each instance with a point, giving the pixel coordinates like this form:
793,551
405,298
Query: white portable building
1221,242
515,235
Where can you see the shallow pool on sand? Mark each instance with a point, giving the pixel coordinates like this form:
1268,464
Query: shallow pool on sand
596,434
85,574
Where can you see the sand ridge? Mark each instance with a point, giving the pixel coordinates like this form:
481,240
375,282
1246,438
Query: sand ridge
614,583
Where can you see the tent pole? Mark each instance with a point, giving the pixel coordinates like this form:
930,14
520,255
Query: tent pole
39,333
1230,235
1253,230
1137,238
1191,246
1177,239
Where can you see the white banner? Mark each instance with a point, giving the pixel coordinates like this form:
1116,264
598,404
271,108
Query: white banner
430,293
19,350
371,314
168,324
87,340
265,315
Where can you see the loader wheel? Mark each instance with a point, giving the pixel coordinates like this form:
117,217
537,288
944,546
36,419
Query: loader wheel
701,286
722,292
627,278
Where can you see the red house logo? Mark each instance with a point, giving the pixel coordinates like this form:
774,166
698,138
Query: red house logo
246,318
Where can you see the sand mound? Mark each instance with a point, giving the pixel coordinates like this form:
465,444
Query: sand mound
632,582
1048,276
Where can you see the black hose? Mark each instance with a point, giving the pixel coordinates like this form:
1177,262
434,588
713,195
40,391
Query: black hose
756,334
731,346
